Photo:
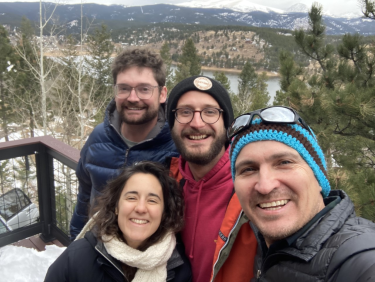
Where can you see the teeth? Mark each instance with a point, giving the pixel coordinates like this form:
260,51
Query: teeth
273,209
137,109
271,205
197,137
139,221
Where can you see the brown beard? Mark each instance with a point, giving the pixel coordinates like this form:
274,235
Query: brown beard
148,116
199,158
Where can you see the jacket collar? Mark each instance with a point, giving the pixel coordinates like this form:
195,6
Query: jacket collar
312,240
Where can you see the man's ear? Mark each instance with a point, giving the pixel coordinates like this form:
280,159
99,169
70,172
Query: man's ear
163,95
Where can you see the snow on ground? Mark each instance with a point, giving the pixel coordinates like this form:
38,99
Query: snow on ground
20,264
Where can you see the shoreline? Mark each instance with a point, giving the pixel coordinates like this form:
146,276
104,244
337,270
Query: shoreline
213,69
225,70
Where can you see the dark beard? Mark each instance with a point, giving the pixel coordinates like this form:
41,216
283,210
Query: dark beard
147,117
200,158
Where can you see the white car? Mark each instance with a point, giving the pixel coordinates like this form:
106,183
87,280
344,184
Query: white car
16,210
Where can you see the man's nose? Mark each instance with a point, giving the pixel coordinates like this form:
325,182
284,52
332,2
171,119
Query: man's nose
197,120
267,181
133,96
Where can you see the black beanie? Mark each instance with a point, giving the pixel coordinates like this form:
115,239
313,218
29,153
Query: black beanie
202,84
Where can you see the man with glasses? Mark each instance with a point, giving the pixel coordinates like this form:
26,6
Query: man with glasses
134,128
199,112
305,230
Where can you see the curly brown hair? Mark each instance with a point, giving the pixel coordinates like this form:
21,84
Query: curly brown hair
173,214
142,58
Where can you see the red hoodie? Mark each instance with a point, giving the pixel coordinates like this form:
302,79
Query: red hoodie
205,205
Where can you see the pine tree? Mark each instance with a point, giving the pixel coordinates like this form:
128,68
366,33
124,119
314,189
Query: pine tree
252,91
6,180
337,99
7,69
312,44
100,49
246,80
368,8
261,96
26,96
223,79
166,56
189,62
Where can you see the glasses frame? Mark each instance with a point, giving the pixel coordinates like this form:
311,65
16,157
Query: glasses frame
200,113
135,90
251,115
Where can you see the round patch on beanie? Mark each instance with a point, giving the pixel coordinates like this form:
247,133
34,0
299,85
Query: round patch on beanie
203,83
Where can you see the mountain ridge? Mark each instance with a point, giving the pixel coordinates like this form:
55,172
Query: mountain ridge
164,13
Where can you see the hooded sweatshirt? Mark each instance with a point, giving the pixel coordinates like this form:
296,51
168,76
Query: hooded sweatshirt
206,201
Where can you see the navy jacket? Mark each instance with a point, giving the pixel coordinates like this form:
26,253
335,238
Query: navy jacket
105,153
87,260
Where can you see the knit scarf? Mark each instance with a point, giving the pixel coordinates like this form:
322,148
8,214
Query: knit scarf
151,264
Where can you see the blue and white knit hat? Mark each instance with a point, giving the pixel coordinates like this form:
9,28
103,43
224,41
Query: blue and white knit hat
292,135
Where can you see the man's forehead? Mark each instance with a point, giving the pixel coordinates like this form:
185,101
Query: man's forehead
140,72
196,98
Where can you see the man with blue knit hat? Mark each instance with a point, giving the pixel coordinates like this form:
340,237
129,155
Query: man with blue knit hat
305,230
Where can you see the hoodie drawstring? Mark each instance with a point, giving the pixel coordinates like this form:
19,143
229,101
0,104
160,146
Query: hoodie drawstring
196,218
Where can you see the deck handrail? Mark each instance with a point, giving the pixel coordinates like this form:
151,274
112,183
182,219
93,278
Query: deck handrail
45,149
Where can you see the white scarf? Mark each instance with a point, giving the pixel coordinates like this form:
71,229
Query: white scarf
151,264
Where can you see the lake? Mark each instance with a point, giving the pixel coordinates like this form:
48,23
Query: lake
272,82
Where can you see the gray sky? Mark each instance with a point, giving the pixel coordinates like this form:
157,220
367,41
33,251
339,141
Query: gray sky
334,6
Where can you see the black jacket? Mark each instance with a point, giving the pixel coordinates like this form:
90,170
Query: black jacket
87,260
337,247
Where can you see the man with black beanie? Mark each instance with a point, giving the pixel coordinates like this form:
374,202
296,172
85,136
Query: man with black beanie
199,111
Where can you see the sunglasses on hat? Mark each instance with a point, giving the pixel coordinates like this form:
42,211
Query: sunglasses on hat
276,114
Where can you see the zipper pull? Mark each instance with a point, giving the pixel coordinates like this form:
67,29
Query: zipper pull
259,272
126,155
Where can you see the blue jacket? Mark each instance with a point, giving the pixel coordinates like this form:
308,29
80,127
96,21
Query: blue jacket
105,153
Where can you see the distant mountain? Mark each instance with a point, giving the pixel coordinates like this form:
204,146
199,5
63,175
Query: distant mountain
235,5
247,6
116,16
298,8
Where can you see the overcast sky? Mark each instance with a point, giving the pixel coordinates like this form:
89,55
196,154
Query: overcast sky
334,6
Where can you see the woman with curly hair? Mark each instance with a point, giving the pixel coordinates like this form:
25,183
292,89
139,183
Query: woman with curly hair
131,233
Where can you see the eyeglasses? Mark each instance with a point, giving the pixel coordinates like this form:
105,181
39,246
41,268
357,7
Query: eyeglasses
143,92
208,115
277,114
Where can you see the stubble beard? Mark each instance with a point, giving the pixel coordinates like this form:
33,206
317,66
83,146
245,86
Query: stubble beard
197,156
149,115
271,234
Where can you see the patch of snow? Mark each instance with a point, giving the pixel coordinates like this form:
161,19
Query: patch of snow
72,23
298,8
20,264
235,5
